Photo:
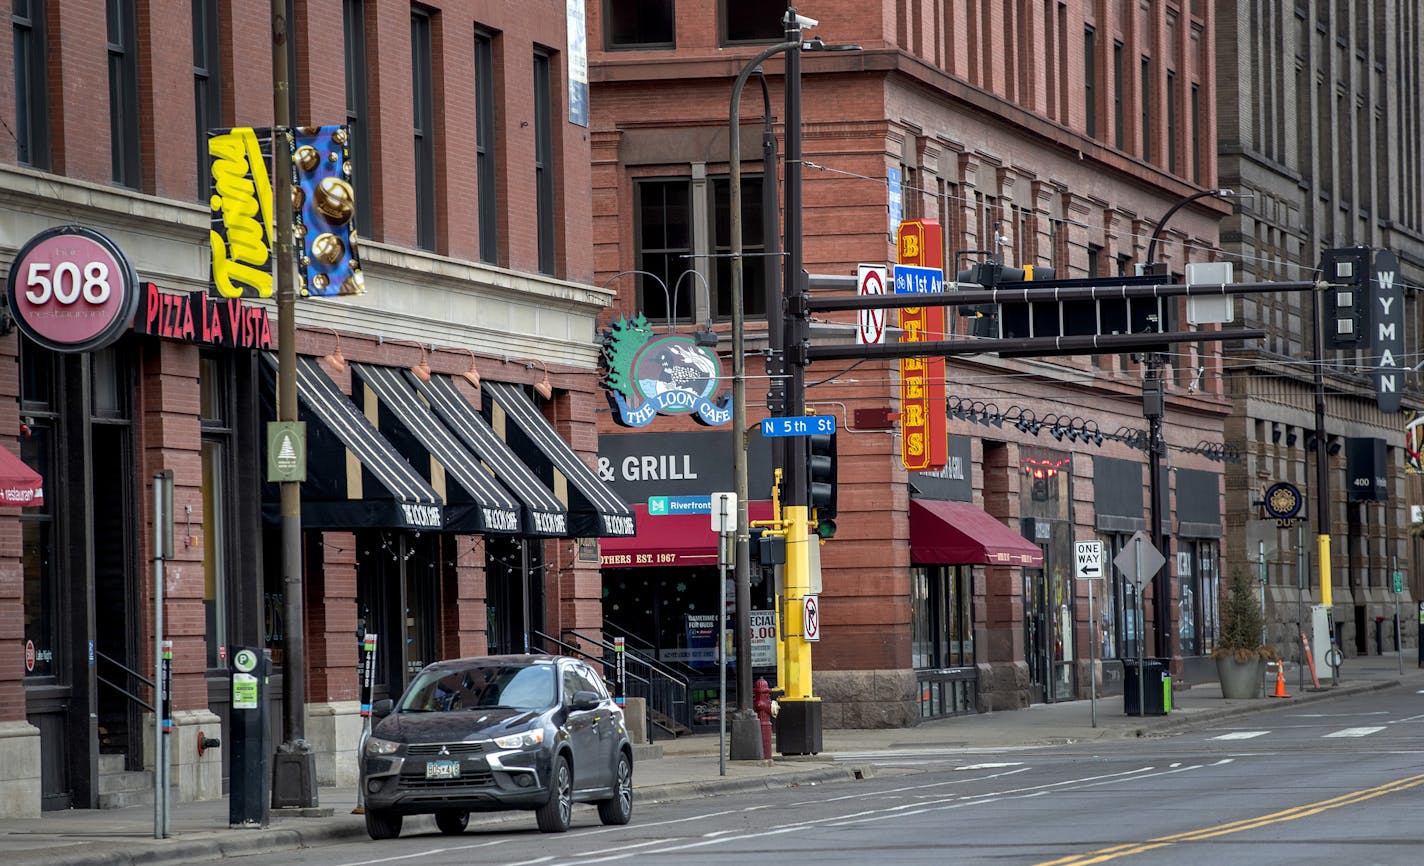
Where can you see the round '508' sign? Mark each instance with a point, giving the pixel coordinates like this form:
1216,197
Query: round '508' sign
71,289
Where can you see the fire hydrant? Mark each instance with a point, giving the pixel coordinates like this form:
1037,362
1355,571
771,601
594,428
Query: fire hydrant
761,702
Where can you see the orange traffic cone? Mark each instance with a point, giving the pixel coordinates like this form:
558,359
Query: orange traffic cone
1280,681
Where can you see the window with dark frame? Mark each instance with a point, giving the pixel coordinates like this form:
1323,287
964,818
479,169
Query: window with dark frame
31,84
358,110
215,412
666,223
207,84
485,162
1118,84
1172,151
1090,81
751,21
1196,120
39,594
544,162
639,24
1145,92
123,93
423,116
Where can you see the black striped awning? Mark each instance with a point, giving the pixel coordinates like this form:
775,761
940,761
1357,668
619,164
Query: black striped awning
474,500
355,478
594,509
544,514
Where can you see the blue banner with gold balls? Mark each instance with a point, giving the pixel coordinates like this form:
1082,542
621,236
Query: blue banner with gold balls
323,210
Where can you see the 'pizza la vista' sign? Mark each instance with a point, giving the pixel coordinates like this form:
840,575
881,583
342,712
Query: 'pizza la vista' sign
646,375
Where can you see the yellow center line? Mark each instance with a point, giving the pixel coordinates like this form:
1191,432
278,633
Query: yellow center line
1113,852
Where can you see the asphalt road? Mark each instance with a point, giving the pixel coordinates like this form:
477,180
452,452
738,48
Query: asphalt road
1340,782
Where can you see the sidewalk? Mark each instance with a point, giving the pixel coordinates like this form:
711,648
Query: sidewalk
688,768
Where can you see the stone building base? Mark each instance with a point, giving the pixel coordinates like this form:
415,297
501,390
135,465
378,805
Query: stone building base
191,776
867,699
1003,686
334,731
20,790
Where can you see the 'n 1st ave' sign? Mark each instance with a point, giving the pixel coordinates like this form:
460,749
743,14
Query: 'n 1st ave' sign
803,425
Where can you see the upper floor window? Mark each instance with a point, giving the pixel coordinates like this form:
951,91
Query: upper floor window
544,162
31,83
684,237
639,24
207,82
485,199
421,63
358,110
123,93
751,21
1090,81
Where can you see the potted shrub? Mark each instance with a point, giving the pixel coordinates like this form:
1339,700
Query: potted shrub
1239,651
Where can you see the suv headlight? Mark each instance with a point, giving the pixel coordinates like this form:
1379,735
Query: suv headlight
521,741
376,746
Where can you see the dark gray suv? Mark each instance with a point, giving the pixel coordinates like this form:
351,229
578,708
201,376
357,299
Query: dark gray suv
485,734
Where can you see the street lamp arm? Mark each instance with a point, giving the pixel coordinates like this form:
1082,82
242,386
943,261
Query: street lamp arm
670,298
1161,223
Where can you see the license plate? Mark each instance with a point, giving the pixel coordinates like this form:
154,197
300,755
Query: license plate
442,770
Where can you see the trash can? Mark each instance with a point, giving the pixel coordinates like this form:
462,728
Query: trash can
1156,682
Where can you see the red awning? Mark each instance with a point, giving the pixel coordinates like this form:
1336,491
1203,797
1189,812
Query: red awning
20,486
958,533
673,539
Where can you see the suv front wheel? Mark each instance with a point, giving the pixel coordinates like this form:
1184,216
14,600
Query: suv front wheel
555,815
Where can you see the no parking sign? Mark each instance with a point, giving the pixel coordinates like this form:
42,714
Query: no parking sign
811,617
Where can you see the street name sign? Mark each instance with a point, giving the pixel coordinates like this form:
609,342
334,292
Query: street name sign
798,425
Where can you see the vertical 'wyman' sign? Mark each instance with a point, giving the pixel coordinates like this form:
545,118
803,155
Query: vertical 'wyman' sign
1388,298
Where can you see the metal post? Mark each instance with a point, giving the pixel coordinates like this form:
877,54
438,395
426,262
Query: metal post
1300,582
1322,457
1092,660
159,830
1154,405
722,646
1141,631
295,785
1394,590
739,385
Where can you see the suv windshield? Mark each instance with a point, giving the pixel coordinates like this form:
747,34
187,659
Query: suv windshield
482,687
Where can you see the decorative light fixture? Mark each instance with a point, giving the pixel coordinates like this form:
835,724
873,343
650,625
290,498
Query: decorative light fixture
1334,447
1290,438
422,369
335,359
544,388
1275,433
472,375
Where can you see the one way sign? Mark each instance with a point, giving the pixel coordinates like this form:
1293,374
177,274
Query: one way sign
1088,560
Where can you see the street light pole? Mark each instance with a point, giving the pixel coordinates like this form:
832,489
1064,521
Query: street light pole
746,732
294,766
1154,403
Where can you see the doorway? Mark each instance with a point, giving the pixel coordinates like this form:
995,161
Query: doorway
514,594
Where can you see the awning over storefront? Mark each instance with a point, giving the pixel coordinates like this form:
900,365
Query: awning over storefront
959,533
474,500
355,478
594,509
544,514
20,486
671,539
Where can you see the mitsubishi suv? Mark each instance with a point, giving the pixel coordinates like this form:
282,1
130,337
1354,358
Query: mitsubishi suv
534,732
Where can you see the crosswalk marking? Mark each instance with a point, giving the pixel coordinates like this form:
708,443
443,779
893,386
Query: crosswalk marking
1354,732
1241,735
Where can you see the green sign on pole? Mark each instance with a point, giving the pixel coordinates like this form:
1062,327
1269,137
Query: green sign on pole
286,451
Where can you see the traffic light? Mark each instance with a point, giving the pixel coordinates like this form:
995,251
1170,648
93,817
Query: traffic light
989,275
821,476
767,548
1347,300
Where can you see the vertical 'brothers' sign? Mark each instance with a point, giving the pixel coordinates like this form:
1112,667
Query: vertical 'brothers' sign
71,289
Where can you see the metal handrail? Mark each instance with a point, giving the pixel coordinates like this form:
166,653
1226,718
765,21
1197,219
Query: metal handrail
118,688
651,662
665,691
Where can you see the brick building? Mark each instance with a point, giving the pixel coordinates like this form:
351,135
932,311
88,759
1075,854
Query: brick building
1319,108
1056,141
472,178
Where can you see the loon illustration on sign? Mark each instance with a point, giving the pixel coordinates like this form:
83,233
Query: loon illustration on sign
646,375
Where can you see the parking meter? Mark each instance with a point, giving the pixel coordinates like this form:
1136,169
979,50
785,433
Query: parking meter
250,802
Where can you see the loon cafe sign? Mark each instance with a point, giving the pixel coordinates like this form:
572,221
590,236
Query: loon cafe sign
646,375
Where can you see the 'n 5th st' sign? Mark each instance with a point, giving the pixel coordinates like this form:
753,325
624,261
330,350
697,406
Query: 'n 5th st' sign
924,441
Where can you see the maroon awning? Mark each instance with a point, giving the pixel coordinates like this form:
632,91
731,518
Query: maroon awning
672,539
20,486
959,533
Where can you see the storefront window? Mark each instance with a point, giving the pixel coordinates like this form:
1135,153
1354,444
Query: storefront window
942,633
214,409
1196,596
40,582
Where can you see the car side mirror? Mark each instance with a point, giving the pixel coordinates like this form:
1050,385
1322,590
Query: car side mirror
381,709
585,700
